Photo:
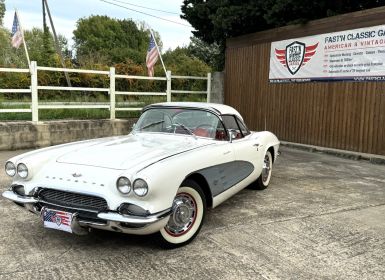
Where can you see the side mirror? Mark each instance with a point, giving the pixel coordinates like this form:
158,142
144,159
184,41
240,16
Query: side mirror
232,134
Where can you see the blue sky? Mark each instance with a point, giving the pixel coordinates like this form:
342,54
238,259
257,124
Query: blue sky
66,12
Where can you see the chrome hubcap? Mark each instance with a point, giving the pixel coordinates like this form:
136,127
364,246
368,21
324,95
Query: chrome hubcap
266,168
183,215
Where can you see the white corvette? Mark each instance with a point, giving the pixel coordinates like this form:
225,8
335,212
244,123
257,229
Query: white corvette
179,159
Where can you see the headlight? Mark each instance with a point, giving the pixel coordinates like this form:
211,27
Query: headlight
10,169
22,170
123,185
140,187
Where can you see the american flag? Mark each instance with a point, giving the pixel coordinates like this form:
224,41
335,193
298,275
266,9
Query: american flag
17,36
152,56
57,217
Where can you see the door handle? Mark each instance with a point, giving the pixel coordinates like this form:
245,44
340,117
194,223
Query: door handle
256,145
226,153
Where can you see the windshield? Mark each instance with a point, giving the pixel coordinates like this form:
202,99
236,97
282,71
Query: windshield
181,121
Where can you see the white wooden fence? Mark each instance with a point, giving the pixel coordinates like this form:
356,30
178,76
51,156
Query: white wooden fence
34,88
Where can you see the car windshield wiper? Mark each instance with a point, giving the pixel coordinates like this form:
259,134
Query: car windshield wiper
151,124
187,129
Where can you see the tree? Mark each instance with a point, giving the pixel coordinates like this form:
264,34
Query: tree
209,53
215,21
180,61
36,42
8,54
2,11
284,12
41,47
116,40
48,46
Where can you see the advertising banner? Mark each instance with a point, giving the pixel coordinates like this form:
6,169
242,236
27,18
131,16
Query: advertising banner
353,55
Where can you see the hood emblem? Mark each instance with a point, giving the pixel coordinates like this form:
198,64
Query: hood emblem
76,175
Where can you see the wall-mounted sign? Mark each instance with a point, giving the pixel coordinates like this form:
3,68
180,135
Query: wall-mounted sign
355,55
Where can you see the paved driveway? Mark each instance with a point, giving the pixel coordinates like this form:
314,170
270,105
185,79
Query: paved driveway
321,217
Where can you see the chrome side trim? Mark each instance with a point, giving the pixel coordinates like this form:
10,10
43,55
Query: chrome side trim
130,219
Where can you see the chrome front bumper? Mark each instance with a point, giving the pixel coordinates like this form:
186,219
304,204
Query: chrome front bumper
108,216
18,198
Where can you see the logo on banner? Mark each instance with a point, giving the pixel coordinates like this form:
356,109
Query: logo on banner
295,55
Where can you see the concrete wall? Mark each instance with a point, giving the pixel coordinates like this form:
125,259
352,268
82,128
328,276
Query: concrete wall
217,87
25,135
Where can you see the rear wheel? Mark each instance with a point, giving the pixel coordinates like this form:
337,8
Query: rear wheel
267,168
186,219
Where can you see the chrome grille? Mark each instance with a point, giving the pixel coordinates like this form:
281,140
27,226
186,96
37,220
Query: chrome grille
73,200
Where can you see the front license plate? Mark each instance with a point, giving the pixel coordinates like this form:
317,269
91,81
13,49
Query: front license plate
56,219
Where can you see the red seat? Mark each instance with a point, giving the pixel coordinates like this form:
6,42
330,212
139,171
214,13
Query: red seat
220,135
201,132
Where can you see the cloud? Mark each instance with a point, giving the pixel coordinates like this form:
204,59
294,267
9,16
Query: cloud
66,13
29,20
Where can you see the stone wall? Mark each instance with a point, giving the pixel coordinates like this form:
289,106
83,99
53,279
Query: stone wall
217,87
26,135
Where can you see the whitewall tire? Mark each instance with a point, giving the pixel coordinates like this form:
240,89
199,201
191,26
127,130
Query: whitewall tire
185,222
265,177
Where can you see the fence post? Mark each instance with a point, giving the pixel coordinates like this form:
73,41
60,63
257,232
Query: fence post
34,93
112,93
208,87
168,76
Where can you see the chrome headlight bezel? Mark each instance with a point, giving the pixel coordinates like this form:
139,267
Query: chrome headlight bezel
9,166
123,184
140,187
22,170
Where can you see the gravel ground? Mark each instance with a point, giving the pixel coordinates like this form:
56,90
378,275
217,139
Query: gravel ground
322,217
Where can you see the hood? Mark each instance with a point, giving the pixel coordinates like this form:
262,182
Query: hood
135,150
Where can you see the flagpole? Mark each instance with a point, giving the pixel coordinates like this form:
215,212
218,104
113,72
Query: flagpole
160,55
22,35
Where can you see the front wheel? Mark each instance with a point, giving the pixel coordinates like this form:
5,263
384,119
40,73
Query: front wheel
186,219
267,168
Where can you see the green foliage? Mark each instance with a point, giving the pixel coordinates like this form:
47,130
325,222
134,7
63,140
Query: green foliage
180,62
40,48
215,21
8,55
284,12
48,47
208,53
116,40
2,11
100,42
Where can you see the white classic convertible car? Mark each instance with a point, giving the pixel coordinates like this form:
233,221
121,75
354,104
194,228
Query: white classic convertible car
179,159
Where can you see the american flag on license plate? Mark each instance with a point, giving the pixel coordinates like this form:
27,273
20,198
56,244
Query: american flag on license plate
56,219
